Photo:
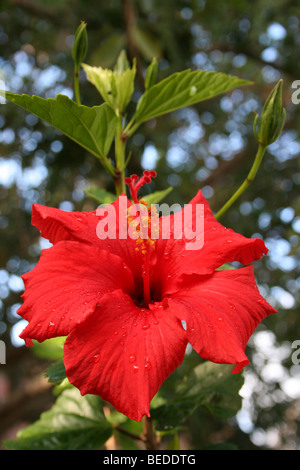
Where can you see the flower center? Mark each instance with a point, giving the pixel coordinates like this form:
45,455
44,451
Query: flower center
143,222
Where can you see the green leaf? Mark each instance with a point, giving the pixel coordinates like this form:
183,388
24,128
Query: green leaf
101,195
157,196
91,128
151,74
183,89
106,54
174,444
225,267
209,385
115,88
147,43
50,349
216,388
56,373
74,422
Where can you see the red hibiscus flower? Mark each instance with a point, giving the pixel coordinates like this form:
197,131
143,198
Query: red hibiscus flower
122,301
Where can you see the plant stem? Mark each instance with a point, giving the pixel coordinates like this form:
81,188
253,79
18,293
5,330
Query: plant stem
149,434
76,85
251,175
128,433
120,145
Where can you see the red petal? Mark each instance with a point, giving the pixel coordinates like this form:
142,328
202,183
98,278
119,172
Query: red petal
57,225
66,285
221,312
124,353
220,245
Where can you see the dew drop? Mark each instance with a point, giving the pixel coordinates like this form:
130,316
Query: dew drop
96,358
132,358
148,366
136,369
51,326
146,326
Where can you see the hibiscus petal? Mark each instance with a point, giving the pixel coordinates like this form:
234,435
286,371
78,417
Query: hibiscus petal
124,353
66,285
186,255
57,225
221,312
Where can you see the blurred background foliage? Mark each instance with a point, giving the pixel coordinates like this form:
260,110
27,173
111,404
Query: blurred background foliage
209,146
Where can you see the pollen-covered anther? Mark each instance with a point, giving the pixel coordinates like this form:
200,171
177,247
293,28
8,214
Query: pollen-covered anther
145,227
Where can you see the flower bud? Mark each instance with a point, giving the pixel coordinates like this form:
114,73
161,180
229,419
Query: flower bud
80,44
272,120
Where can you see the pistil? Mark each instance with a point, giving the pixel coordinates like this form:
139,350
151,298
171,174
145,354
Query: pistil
145,227
146,279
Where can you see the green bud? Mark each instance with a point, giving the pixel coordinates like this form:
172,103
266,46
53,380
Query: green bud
270,125
80,44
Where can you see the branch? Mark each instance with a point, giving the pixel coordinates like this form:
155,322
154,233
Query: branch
130,21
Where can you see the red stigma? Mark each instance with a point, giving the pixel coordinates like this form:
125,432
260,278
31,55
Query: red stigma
135,183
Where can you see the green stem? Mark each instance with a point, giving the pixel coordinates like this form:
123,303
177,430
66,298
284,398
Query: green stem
76,85
120,145
251,175
131,127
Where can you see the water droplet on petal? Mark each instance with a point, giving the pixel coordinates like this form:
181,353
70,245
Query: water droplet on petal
148,366
51,326
145,327
96,358
135,369
132,358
